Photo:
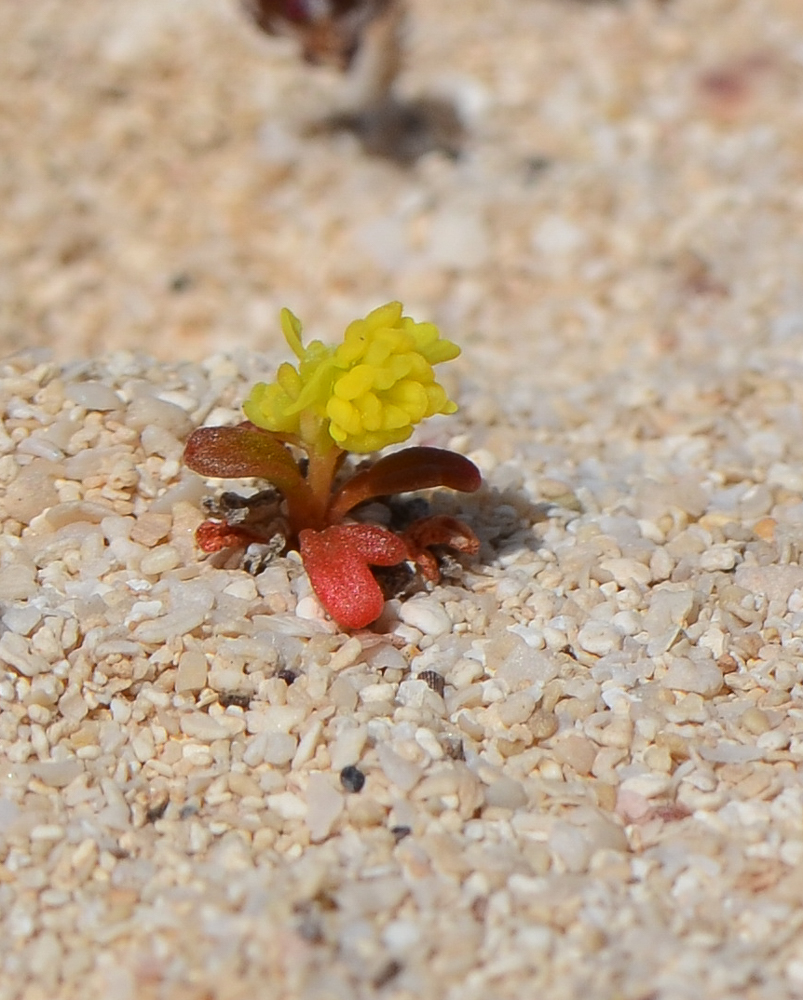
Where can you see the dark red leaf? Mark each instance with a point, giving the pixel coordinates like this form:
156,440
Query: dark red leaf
243,451
337,561
404,471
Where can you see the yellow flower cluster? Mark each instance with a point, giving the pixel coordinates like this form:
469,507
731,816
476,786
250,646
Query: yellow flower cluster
369,392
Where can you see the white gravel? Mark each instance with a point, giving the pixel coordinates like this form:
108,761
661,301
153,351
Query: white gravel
581,753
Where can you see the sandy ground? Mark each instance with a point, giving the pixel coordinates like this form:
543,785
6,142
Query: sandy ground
582,756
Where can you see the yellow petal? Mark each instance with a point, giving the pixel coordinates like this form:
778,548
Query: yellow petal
380,349
394,417
375,440
354,383
438,400
387,315
411,397
291,328
343,414
289,379
440,351
370,411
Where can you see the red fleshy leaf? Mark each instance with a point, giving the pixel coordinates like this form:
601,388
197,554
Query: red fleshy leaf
337,561
240,452
440,529
405,471
212,536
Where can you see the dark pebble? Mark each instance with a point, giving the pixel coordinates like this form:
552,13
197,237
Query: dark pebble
352,778
433,680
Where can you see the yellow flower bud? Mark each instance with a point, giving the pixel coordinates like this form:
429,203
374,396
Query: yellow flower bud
371,390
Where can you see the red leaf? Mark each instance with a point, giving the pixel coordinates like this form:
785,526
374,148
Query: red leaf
440,529
242,451
212,536
404,471
337,561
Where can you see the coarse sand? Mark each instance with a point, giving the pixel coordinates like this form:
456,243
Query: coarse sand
570,771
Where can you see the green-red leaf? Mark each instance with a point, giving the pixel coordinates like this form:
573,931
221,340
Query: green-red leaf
240,452
403,471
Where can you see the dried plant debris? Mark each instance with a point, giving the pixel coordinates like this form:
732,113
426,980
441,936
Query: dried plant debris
364,39
330,31
402,131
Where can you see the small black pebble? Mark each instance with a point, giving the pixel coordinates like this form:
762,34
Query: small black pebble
352,778
400,832
287,676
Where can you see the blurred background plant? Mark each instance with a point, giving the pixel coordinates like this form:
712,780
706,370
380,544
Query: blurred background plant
365,40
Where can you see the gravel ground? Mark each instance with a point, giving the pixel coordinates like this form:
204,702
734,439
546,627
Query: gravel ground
571,770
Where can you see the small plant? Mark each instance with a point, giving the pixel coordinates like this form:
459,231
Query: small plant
364,40
361,396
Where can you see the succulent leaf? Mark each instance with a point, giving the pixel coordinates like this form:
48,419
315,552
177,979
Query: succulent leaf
337,562
404,471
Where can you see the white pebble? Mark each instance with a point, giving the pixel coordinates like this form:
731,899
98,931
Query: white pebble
203,727
159,560
776,739
17,583
718,557
93,396
307,744
348,654
648,785
310,609
242,587
287,805
401,772
192,671
158,441
196,754
401,936
47,831
516,708
426,615
627,622
668,608
599,638
147,410
570,846
22,620
57,774
701,677
190,604
279,748
15,651
506,793
275,718
377,692
627,572
324,805
413,693
348,747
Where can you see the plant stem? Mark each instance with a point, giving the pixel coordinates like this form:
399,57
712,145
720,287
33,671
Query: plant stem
323,464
